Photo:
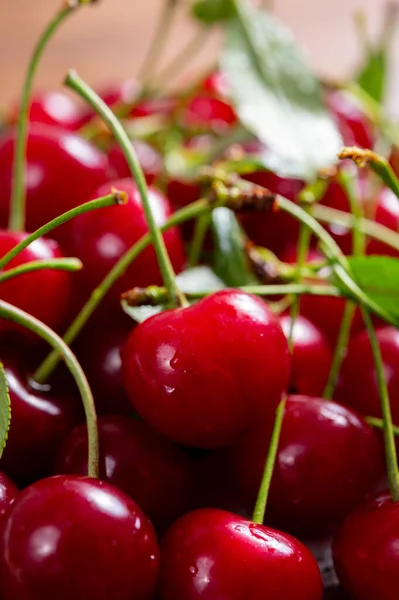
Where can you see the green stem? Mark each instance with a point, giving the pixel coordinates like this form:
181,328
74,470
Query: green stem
78,85
340,349
18,196
49,364
201,228
379,424
59,264
378,164
389,435
109,200
7,311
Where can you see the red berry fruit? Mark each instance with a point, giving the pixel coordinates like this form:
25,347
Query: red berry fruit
8,493
57,109
387,213
205,112
75,537
328,460
203,375
365,550
355,127
212,554
149,159
153,471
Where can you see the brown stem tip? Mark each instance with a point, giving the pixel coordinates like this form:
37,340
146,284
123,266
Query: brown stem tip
360,156
149,296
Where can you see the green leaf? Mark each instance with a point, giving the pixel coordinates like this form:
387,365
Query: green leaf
373,77
5,409
276,96
210,12
229,258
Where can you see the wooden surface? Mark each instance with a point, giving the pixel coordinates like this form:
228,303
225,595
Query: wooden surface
107,41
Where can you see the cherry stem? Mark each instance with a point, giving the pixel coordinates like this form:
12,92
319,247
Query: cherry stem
389,435
50,363
78,85
200,231
18,195
58,264
379,165
20,317
379,424
109,200
158,41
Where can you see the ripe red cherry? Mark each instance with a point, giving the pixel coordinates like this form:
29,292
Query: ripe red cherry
75,537
150,161
203,375
204,112
355,127
63,172
212,554
45,294
41,421
99,239
357,386
57,109
311,357
328,460
216,84
8,493
365,550
387,213
153,471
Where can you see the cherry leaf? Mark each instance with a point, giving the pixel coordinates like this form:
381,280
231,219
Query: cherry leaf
5,409
276,96
210,12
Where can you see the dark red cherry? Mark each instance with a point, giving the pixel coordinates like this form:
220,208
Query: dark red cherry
355,127
57,109
365,550
387,213
41,421
204,112
203,375
149,158
75,537
311,357
157,474
328,460
63,171
99,239
8,493
45,294
211,554
357,386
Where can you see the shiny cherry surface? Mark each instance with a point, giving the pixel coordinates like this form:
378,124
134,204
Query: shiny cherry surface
366,550
63,171
209,113
149,159
212,554
8,493
328,460
203,375
153,471
57,109
352,122
311,356
75,537
387,213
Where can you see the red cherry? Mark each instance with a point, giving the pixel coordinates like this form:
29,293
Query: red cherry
57,109
8,493
357,386
203,375
216,84
311,357
161,107
365,550
212,554
149,158
387,213
122,92
138,461
75,537
45,294
328,460
99,239
41,421
355,127
63,171
335,197
209,113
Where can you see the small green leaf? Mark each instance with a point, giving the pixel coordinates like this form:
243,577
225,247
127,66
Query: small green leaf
229,259
276,96
373,77
210,12
5,409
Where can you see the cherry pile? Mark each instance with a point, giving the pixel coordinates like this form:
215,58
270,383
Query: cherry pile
237,424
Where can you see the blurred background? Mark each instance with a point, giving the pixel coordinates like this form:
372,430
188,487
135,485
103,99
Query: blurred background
108,41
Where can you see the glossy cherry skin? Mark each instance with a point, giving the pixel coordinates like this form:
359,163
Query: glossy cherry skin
212,554
8,493
99,239
203,375
357,385
76,537
57,109
149,159
205,112
153,471
44,294
365,550
41,421
353,124
63,171
387,213
328,460
311,357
